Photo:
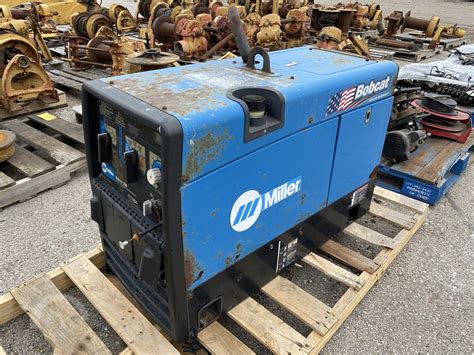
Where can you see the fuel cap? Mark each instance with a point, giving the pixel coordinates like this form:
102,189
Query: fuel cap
256,105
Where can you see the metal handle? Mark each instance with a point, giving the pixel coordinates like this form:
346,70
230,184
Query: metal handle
264,54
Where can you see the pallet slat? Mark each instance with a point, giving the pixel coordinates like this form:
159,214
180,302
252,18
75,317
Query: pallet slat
400,200
66,128
5,181
332,270
129,323
270,330
219,341
369,235
309,309
27,188
87,74
29,163
348,256
59,322
60,80
400,219
9,307
351,298
59,151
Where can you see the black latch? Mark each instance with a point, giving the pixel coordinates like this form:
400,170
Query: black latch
104,144
131,166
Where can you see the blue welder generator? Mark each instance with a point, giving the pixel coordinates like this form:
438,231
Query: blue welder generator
209,179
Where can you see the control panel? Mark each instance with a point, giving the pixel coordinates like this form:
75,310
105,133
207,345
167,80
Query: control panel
130,161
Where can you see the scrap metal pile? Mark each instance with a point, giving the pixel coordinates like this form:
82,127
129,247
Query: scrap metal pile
427,103
162,33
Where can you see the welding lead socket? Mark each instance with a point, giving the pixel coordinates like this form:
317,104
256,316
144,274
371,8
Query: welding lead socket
135,237
257,113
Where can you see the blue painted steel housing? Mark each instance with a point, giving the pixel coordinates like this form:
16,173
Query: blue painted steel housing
331,145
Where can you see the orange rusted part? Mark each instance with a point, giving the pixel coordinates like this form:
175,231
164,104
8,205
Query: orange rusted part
295,29
193,42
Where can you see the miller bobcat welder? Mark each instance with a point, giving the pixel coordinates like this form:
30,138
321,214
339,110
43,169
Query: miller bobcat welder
207,178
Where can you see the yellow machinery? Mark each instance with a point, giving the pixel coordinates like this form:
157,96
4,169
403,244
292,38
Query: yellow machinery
22,77
59,11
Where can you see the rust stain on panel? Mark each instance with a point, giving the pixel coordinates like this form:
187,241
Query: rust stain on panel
204,150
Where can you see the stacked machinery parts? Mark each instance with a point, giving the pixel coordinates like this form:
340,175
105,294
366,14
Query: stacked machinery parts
189,32
23,79
443,119
347,17
430,28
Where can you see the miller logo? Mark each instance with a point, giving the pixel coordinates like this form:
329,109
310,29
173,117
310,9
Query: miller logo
250,204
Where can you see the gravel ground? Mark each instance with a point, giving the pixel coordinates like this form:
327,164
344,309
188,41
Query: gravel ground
423,303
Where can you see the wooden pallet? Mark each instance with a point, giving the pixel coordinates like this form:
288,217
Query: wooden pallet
73,79
376,53
34,106
407,55
64,328
429,173
47,153
446,43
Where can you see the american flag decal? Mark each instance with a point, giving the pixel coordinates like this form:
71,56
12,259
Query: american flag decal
341,101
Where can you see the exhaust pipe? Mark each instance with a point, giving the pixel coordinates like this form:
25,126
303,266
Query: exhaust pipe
239,34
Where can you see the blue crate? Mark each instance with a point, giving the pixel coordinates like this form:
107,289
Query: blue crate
402,177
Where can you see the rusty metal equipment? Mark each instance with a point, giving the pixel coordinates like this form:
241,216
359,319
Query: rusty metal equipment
251,27
149,59
270,33
361,19
395,43
426,26
22,77
7,145
192,41
121,17
105,50
294,23
329,38
394,21
355,44
24,80
86,24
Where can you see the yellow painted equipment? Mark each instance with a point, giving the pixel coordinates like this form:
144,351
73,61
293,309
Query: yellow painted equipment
23,79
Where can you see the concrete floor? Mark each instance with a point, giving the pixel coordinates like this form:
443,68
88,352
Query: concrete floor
424,303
